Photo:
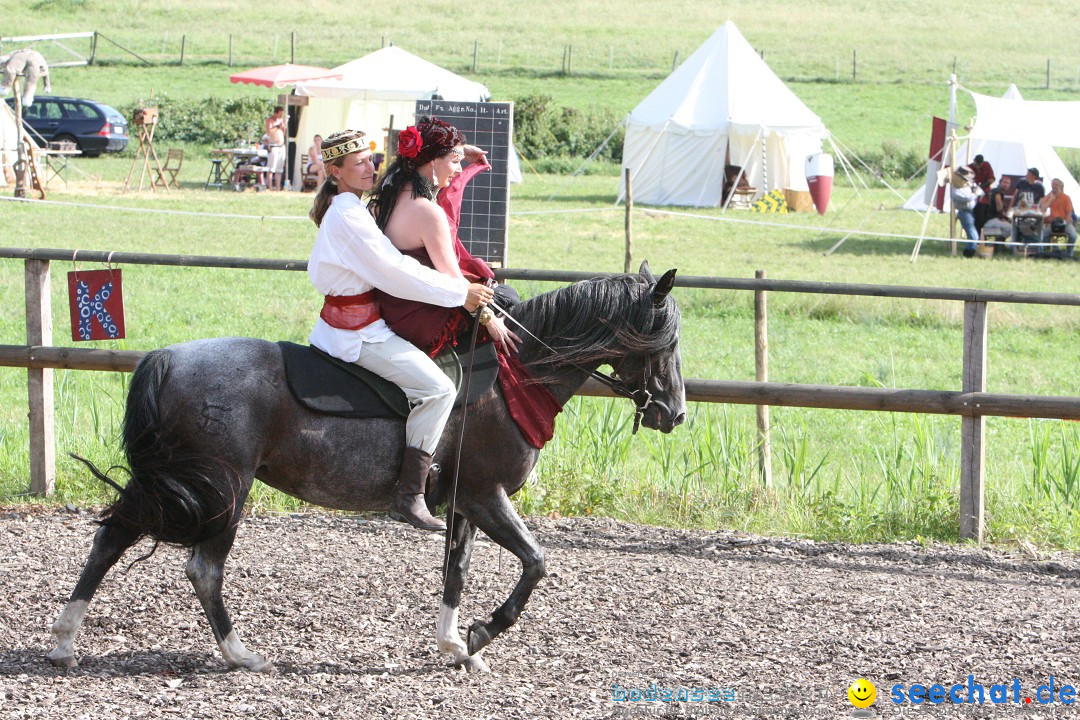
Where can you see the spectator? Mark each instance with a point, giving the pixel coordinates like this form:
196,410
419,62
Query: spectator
965,193
1059,218
984,178
1029,192
315,161
275,158
1000,222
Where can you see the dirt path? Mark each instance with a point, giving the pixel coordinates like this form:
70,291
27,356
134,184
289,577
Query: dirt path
345,607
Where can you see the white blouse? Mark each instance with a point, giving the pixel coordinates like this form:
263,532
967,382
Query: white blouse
352,256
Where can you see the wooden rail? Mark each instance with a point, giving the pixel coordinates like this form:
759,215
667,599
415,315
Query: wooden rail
972,403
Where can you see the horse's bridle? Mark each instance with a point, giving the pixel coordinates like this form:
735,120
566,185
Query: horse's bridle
641,396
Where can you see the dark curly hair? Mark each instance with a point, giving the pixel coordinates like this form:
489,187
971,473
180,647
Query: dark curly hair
439,139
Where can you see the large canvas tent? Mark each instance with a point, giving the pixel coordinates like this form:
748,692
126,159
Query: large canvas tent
1012,134
9,142
371,89
722,107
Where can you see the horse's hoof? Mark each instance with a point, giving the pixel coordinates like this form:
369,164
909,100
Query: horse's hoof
255,663
478,638
263,666
475,664
63,662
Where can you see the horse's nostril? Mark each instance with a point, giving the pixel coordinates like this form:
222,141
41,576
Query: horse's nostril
680,419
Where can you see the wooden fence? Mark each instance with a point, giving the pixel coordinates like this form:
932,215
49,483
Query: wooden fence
972,402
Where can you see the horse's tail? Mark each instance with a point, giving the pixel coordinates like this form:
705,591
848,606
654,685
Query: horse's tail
171,494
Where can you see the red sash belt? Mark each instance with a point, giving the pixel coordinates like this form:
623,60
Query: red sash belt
350,312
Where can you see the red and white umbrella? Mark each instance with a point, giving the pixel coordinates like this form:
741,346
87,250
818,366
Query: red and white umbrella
279,76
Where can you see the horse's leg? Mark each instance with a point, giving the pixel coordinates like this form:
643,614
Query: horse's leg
110,542
500,521
206,571
461,547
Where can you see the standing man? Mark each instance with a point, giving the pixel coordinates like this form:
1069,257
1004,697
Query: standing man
984,178
275,155
1060,217
965,193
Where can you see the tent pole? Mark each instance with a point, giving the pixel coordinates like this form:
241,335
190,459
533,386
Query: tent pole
952,205
742,168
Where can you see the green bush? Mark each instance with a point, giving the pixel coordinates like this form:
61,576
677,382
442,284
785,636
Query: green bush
208,121
892,161
544,131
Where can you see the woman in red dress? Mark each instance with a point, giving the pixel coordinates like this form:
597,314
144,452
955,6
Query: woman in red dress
417,203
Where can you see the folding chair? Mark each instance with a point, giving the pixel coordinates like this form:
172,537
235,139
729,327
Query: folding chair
173,161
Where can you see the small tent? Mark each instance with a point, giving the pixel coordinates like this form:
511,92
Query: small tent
1009,142
371,89
721,108
9,143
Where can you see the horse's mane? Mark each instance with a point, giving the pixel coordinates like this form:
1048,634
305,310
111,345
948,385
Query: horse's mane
593,320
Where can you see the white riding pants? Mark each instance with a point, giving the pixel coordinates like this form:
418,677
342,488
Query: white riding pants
430,392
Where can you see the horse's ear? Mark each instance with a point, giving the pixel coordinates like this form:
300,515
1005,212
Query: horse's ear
663,287
645,272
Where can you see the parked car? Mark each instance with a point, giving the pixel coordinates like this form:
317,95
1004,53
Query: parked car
93,127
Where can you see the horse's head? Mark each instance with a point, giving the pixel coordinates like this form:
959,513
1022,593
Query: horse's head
651,368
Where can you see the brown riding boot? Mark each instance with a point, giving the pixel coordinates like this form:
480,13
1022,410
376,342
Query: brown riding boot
409,505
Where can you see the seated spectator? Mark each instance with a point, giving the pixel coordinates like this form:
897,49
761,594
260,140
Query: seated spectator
1059,214
315,161
246,173
984,178
1000,222
1029,192
965,193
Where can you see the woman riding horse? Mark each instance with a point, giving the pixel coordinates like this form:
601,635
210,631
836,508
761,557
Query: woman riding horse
414,202
350,259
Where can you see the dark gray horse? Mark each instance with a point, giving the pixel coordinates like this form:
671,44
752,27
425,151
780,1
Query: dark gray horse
205,418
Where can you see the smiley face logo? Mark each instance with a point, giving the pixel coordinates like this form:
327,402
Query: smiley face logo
862,693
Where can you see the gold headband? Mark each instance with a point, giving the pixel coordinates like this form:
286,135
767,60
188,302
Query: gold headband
354,143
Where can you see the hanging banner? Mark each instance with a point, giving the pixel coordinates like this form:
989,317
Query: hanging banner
96,299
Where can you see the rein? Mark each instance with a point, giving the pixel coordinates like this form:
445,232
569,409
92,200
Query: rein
452,504
641,397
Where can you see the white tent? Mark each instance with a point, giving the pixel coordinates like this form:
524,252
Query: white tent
9,142
723,106
371,89
1013,134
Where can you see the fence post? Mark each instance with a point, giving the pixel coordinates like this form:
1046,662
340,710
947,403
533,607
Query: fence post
183,44
230,49
475,54
853,66
629,229
292,49
1047,73
93,48
40,380
761,374
973,427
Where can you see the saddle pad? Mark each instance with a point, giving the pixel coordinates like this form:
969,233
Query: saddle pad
328,385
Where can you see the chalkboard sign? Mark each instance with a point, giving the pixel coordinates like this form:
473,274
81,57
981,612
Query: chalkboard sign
485,207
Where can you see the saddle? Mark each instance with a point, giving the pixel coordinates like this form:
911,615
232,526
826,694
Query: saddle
327,385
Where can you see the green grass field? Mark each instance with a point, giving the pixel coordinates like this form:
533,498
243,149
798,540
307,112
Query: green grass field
860,476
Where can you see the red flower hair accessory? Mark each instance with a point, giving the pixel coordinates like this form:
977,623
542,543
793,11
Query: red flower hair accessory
410,142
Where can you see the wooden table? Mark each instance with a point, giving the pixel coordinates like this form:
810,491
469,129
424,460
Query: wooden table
236,156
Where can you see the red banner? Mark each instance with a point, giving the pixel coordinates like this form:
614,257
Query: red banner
96,299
